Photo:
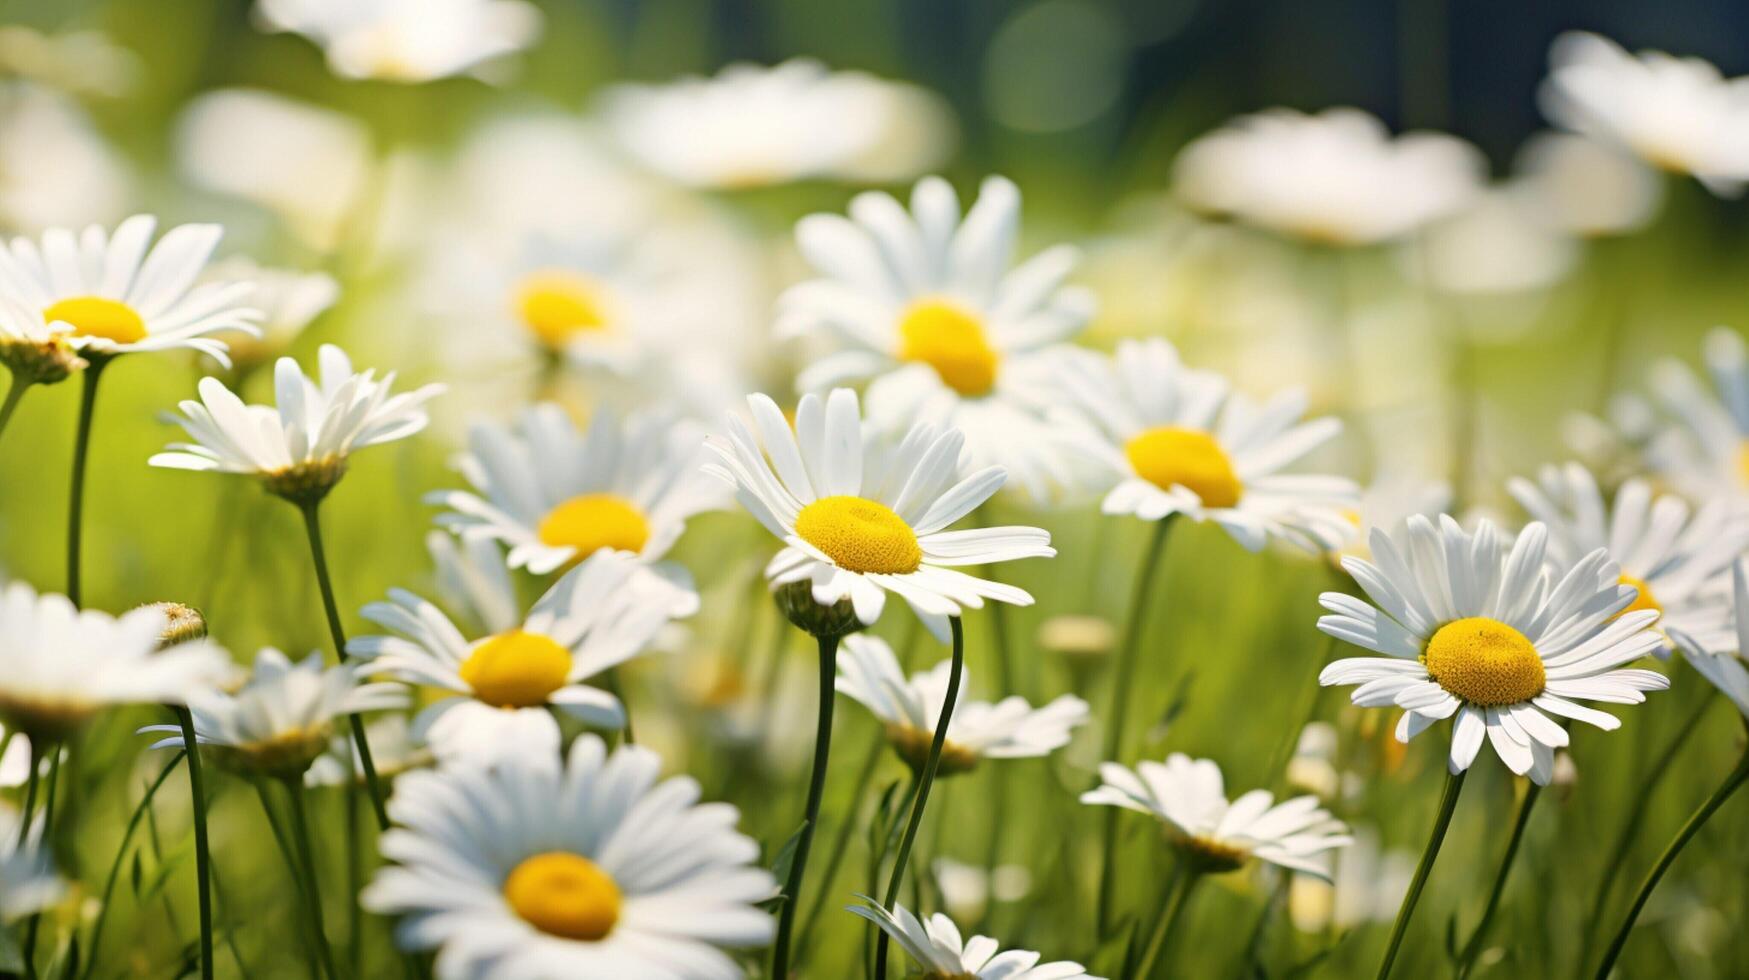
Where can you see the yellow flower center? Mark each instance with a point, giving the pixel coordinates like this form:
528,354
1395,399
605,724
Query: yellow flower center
94,316
1485,662
1645,600
1170,455
564,894
860,535
950,339
557,305
595,521
516,669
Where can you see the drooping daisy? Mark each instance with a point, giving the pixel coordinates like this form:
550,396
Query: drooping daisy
1180,441
288,300
585,868
1337,177
407,41
299,450
28,881
1721,661
1676,558
502,685
1703,448
940,952
60,666
1008,729
927,306
860,519
1215,835
117,293
1480,629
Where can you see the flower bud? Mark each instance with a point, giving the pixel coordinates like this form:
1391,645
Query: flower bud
796,599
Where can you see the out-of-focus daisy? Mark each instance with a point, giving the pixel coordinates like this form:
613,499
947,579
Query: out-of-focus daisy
1475,626
1585,187
55,168
283,718
860,519
1180,441
1721,661
1678,114
1337,177
1390,500
1703,450
940,952
407,41
28,881
927,306
1368,886
15,759
586,867
288,300
1501,243
1213,834
1008,729
393,750
500,687
1674,557
753,126
117,293
300,449
967,890
60,666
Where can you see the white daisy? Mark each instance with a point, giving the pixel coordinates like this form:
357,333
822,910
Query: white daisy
587,868
107,294
407,40
1481,629
1180,441
1008,729
288,300
55,166
940,952
1186,795
1388,502
59,666
860,520
28,881
300,447
1678,114
14,758
1337,177
1703,448
927,306
1721,661
499,687
1585,187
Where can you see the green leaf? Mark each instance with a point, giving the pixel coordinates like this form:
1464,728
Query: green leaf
786,855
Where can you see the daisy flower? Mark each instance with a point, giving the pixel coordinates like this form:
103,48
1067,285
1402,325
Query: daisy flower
860,520
1721,661
499,687
1587,188
60,666
1389,501
407,41
299,449
55,166
282,719
587,867
289,299
927,306
1180,441
1703,448
28,882
1187,797
940,952
1008,729
118,293
1675,558
1477,627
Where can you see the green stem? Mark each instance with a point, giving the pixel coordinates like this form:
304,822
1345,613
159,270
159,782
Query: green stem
1307,714
1122,681
292,866
610,679
928,778
354,880
81,452
30,788
1733,781
1467,958
841,841
34,927
1454,784
313,527
1182,884
816,788
202,851
96,944
14,395
878,860
307,858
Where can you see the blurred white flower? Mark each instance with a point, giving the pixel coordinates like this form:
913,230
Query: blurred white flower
393,750
76,62
1389,501
1502,241
1368,886
408,41
55,169
28,880
15,760
1337,177
967,889
1701,447
1589,188
939,950
288,300
1723,663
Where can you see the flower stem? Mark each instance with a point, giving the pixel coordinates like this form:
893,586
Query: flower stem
202,852
313,526
1177,892
1733,781
1467,958
14,395
949,701
307,858
1122,681
610,680
841,840
30,788
1454,784
93,947
292,866
816,788
81,451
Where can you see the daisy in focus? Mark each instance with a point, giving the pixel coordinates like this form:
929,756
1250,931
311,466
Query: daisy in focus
910,709
1702,448
1176,440
928,306
940,952
1215,835
861,519
1474,626
28,881
407,41
587,867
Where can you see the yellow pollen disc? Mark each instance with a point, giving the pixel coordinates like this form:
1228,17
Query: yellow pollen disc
555,306
564,895
1169,455
94,316
950,339
1485,662
516,669
1645,600
595,521
860,535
